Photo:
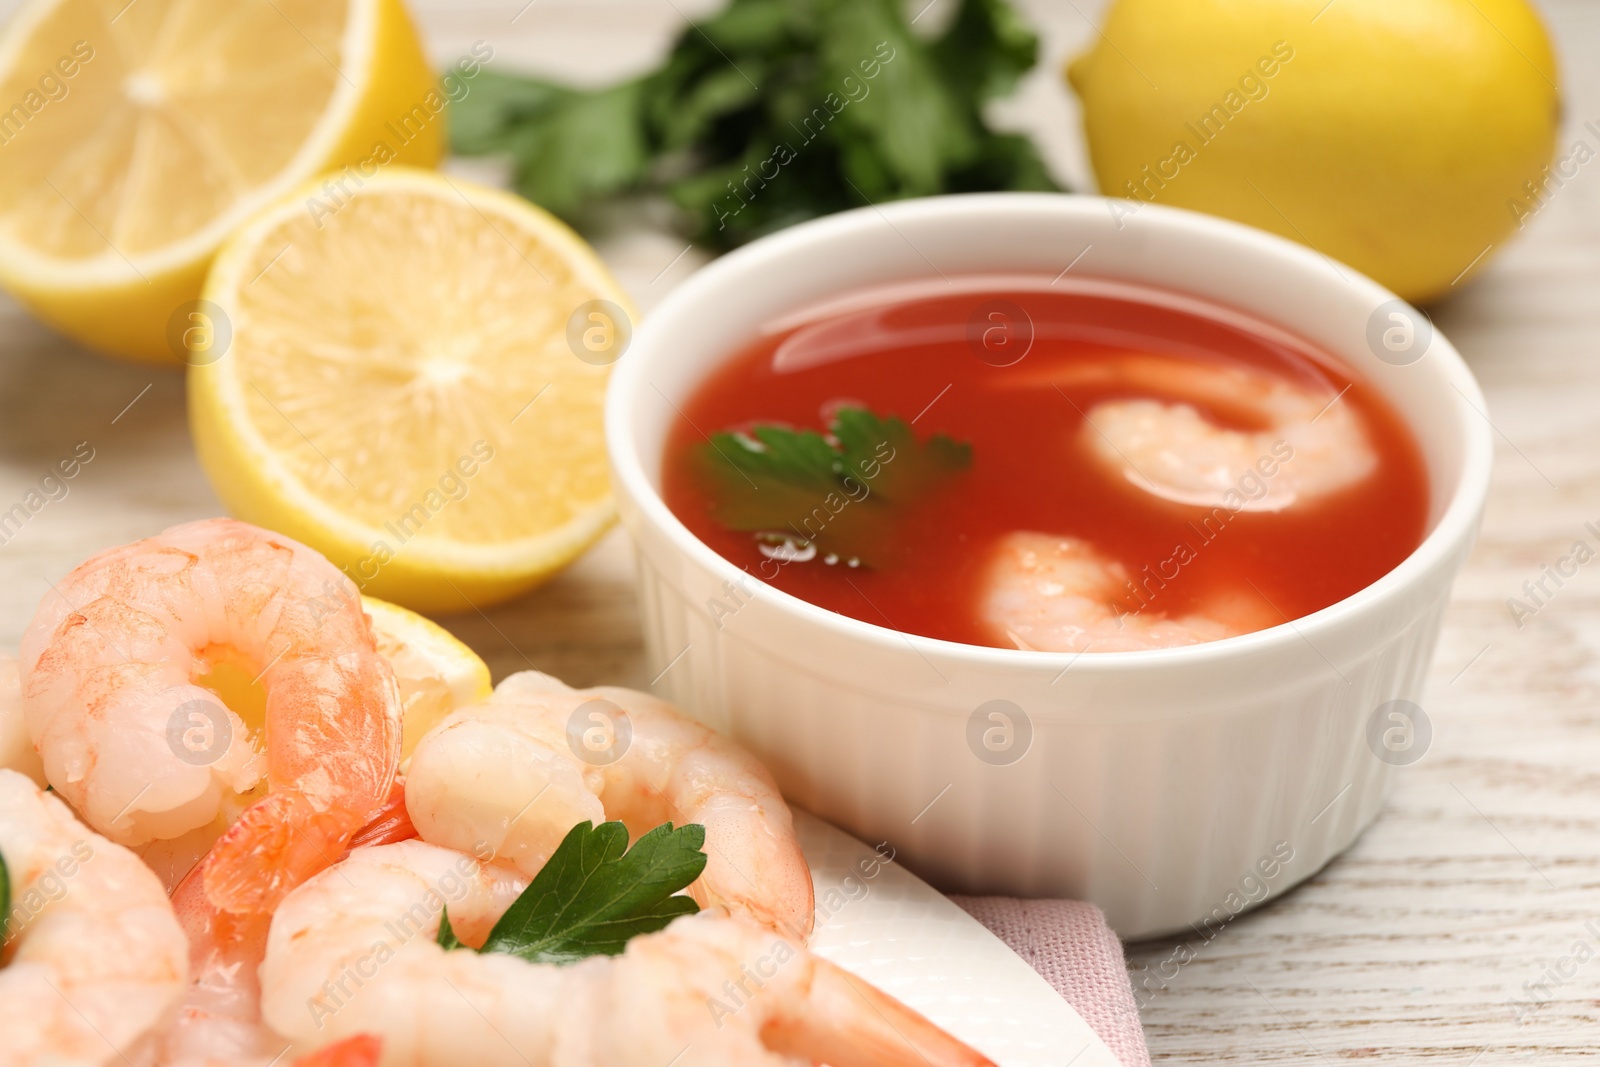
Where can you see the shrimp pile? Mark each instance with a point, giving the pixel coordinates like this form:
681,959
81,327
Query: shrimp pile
1315,445
96,963
131,738
213,697
121,667
354,951
516,773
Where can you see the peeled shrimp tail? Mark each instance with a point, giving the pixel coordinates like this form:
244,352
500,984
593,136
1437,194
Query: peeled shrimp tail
362,1050
714,991
220,1023
277,844
348,705
844,1022
390,823
221,1017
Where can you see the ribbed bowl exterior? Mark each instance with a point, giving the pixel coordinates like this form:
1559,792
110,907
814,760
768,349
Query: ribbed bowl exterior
1167,807
1174,788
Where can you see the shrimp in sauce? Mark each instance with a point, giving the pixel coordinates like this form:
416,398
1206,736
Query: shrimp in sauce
1057,594
1171,449
1131,421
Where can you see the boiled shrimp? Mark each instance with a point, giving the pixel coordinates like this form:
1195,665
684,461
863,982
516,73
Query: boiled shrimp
1305,442
174,858
220,1020
516,773
354,950
115,669
16,747
95,958
219,1023
1047,593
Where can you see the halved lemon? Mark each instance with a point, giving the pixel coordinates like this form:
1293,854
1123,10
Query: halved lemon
414,387
436,672
135,136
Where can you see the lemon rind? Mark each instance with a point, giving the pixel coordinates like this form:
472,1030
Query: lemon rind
112,268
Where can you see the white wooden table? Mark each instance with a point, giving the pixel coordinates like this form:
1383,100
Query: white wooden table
1476,883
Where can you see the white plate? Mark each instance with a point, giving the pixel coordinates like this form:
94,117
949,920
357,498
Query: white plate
885,924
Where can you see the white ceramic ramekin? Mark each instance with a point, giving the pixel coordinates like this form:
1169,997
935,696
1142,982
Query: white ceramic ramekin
1171,787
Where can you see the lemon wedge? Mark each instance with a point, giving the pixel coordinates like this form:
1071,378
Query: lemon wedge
136,136
414,387
436,672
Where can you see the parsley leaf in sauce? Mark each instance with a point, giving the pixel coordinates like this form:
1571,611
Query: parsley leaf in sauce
803,493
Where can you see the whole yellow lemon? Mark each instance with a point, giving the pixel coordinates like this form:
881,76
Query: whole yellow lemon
1408,138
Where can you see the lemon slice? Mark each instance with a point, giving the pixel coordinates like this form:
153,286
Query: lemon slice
137,136
414,387
436,672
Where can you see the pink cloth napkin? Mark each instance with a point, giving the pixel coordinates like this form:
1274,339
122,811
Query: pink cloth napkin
1072,948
